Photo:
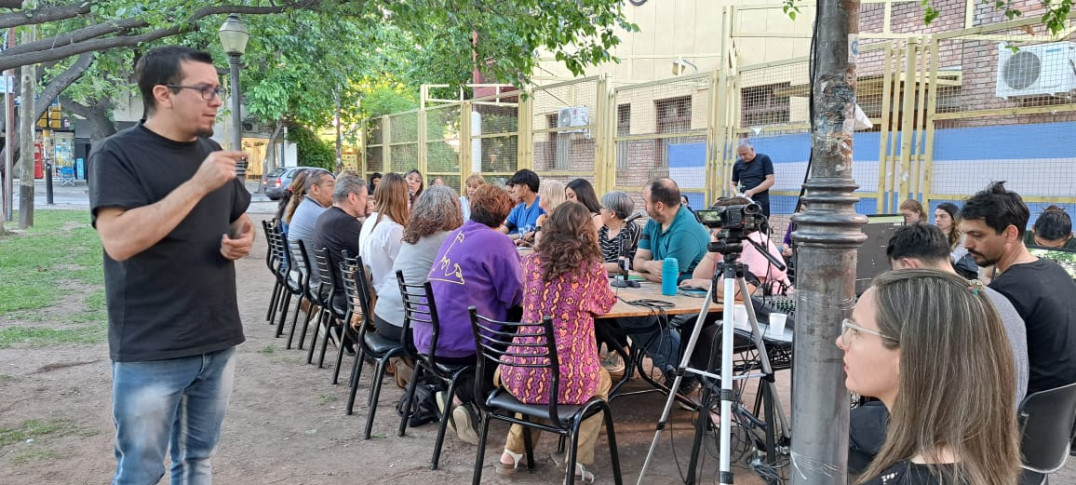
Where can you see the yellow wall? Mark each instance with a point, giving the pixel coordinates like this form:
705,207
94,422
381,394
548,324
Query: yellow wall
692,30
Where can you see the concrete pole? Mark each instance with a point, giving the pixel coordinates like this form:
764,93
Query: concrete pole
237,122
828,234
26,129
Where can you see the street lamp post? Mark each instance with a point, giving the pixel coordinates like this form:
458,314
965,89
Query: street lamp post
233,36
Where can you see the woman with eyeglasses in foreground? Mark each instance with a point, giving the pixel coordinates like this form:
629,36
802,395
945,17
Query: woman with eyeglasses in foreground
932,348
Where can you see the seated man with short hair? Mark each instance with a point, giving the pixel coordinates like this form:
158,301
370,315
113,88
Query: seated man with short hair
926,246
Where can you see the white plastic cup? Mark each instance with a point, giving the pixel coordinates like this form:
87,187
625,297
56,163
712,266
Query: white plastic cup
777,323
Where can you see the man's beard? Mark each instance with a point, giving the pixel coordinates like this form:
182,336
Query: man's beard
985,261
204,133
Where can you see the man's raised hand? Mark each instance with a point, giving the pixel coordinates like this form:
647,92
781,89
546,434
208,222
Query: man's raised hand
217,169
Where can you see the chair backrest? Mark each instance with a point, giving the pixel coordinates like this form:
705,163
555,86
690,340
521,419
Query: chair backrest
301,258
534,345
353,275
325,275
278,251
419,307
1046,428
270,256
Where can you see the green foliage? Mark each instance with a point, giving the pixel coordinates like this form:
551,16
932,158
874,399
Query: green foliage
311,150
386,99
1055,17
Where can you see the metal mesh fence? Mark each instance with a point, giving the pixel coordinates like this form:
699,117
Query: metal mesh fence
563,127
375,157
403,145
662,130
495,134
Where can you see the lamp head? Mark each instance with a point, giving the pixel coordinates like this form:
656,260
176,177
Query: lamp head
233,35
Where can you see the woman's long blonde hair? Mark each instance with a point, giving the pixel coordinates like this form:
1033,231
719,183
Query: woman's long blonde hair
552,191
956,376
298,193
392,199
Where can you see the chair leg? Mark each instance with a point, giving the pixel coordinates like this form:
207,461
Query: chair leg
306,325
325,339
410,397
295,321
443,424
344,332
480,458
318,323
573,450
273,303
353,387
528,446
375,394
283,313
614,455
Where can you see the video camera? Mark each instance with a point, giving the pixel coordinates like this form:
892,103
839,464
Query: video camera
741,219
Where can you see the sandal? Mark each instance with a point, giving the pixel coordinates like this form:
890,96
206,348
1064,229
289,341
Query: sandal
506,469
581,472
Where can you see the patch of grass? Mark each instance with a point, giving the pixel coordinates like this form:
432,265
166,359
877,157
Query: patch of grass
41,454
95,311
268,349
35,428
60,247
326,399
33,336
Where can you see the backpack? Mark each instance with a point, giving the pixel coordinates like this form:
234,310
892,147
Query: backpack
424,408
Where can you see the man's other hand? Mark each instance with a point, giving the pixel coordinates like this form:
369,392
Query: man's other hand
238,245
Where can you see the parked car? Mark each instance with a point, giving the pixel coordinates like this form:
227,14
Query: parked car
276,182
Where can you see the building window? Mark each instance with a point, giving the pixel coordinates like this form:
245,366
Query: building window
560,146
674,116
762,105
623,128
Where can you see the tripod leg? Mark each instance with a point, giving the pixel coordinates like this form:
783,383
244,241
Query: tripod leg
684,361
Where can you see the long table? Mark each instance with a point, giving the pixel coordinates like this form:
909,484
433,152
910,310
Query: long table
652,291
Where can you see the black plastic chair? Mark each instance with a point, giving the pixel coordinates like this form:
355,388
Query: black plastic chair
370,344
290,280
493,338
274,263
420,309
300,259
1046,432
329,315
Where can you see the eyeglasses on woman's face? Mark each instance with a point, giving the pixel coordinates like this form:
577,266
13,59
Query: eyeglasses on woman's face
850,331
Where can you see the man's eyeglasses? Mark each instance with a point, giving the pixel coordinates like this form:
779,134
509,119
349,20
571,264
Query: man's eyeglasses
207,92
848,325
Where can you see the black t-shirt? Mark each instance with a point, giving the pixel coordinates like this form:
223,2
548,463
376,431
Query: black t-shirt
178,297
337,231
749,175
908,473
1045,297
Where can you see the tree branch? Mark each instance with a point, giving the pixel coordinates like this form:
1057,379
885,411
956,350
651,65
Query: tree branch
10,3
41,15
48,49
65,79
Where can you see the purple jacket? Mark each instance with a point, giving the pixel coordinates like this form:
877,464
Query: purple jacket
476,266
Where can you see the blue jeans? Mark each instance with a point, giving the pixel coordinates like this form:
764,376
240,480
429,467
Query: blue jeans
175,403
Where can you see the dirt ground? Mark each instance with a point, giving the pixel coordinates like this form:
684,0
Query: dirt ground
286,423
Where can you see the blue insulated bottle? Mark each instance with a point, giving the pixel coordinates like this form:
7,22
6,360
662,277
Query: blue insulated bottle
670,273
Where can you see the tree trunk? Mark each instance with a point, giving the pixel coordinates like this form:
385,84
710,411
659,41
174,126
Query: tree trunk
96,115
26,130
269,164
828,234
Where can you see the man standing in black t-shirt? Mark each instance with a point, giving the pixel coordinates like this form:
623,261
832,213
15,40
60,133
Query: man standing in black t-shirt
994,221
171,215
752,175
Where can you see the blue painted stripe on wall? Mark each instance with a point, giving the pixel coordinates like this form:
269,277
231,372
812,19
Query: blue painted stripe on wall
687,155
786,204
1035,208
1005,142
797,148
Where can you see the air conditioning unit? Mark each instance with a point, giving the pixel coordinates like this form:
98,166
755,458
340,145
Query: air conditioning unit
572,117
1036,70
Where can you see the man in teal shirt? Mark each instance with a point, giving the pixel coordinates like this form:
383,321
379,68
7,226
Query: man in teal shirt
673,232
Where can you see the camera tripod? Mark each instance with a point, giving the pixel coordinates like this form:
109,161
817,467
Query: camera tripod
732,270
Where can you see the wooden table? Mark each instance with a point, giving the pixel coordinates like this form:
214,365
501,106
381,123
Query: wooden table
652,291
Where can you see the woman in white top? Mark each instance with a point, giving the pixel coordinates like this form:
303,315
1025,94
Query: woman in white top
550,195
381,235
434,215
470,186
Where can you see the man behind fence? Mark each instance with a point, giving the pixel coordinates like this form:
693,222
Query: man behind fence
752,175
170,212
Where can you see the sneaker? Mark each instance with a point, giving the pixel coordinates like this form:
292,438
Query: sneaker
465,422
442,398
